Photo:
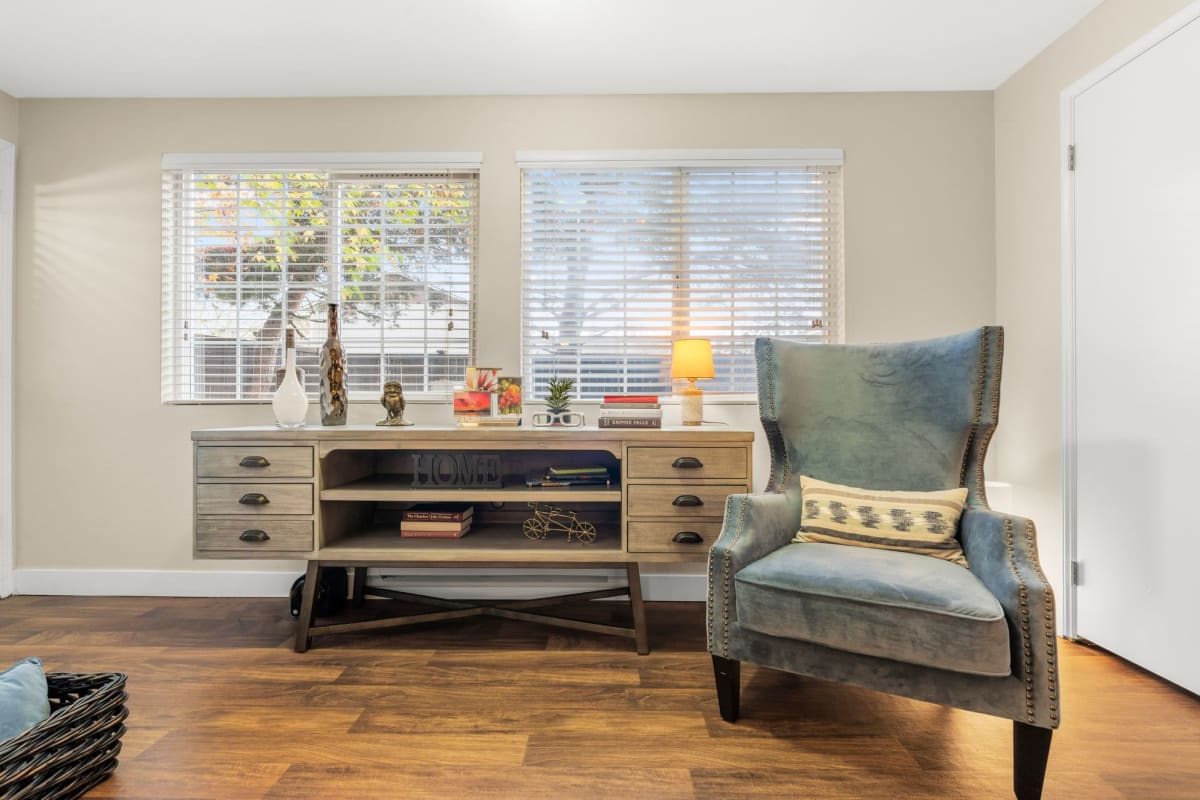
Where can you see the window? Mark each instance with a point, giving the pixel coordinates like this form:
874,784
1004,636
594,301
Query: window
254,243
623,255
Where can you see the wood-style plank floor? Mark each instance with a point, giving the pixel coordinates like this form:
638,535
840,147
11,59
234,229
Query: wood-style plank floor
220,707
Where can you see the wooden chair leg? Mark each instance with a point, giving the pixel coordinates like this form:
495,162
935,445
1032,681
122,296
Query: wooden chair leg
1031,750
729,681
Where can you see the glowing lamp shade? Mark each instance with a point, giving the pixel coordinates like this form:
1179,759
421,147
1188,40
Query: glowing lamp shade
692,359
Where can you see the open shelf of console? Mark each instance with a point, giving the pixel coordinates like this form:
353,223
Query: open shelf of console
484,543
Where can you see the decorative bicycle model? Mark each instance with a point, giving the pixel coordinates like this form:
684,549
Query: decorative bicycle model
551,519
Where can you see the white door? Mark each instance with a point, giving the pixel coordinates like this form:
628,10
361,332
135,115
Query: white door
1137,359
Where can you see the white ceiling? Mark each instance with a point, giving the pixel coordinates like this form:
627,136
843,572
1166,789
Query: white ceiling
299,48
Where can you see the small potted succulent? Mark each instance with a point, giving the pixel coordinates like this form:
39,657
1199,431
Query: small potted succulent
558,404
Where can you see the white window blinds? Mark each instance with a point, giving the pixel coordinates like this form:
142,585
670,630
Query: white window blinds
247,250
621,259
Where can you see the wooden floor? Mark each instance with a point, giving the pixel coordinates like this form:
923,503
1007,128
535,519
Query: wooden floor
220,707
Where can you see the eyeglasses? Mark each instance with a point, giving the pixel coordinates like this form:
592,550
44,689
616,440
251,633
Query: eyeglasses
567,419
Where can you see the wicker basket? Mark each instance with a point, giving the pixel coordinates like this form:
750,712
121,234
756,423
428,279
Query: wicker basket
75,748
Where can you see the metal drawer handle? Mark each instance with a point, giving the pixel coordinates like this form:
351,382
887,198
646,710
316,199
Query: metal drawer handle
687,500
254,535
687,537
253,499
687,462
254,461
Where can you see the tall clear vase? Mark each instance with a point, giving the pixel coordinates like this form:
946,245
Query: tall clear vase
333,375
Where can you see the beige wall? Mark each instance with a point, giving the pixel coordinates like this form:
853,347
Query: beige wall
103,469
1028,275
9,107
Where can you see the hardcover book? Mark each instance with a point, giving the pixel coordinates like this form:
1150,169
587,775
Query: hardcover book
630,422
536,482
452,512
578,471
631,412
623,406
448,528
493,422
630,398
456,533
549,481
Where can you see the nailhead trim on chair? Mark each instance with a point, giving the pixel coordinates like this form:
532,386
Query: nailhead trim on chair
780,465
1048,622
728,568
712,574
991,429
981,435
1023,595
983,363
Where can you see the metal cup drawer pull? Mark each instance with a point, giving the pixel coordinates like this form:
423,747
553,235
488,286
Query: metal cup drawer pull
687,462
685,500
254,535
254,461
253,499
687,537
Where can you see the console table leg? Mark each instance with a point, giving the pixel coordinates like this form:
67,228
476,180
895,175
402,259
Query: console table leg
360,584
307,601
639,609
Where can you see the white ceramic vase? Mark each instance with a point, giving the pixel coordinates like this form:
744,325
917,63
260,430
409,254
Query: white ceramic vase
290,403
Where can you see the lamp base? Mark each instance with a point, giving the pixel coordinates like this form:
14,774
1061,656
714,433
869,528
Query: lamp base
692,406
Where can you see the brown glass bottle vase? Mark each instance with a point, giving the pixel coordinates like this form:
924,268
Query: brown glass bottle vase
333,374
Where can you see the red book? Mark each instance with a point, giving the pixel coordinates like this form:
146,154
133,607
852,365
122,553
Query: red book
407,534
631,398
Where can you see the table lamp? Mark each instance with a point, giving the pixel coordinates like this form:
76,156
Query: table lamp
692,359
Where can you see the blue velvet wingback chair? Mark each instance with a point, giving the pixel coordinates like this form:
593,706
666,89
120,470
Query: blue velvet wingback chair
908,416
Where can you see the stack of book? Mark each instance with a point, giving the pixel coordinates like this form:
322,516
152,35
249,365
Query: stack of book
450,521
570,476
630,411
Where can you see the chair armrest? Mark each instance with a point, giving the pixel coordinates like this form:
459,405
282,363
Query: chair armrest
755,525
1002,552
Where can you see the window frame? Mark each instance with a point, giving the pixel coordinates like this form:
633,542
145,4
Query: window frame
335,166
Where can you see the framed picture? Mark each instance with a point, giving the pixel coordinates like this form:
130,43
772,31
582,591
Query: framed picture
472,404
482,379
509,401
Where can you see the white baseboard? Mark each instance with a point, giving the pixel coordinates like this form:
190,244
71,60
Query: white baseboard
153,583
484,585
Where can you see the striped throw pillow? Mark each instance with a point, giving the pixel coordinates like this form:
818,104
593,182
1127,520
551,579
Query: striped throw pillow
915,522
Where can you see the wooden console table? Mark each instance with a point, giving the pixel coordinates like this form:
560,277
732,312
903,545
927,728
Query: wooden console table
334,496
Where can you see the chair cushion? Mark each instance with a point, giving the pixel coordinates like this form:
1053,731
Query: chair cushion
24,697
893,605
915,522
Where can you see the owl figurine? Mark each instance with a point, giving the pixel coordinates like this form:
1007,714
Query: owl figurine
393,401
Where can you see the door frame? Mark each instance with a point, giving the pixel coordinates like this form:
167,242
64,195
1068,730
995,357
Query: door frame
8,187
1163,31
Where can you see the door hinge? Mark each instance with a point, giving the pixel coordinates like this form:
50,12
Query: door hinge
1075,573
1070,158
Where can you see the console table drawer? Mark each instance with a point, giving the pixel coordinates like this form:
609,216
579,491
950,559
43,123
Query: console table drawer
254,535
254,462
687,462
254,498
672,537
684,501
